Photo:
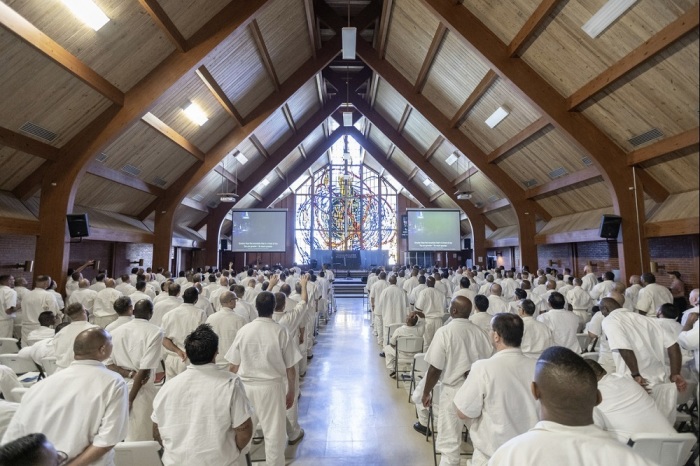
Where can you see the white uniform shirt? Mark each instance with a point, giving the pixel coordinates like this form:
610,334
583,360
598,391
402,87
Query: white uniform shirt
84,296
497,304
63,342
204,304
431,302
125,288
481,320
98,286
196,413
602,289
376,290
8,299
455,347
39,350
137,296
7,412
392,305
104,302
537,337
553,444
409,284
627,409
137,345
263,340
245,310
632,293
508,286
466,292
595,326
651,297
226,323
121,320
95,397
35,302
690,340
71,286
497,396
564,325
413,296
579,299
589,281
182,321
161,308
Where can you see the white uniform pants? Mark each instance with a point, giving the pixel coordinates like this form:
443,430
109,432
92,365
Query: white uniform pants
268,402
27,328
449,436
293,427
421,411
140,424
379,326
431,326
389,356
173,366
7,327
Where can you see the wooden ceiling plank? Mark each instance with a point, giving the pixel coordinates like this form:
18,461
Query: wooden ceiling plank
652,187
413,173
466,175
486,82
279,173
435,196
404,118
373,90
98,169
684,24
434,147
28,145
678,227
517,46
160,126
690,138
504,149
429,58
288,116
311,25
259,146
31,185
566,181
264,54
19,226
499,204
163,21
192,204
319,87
226,174
32,36
219,94
383,32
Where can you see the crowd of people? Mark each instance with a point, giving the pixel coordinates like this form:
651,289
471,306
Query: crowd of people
204,363
504,355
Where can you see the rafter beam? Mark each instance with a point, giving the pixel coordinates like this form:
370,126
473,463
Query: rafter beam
685,24
413,173
678,227
163,21
690,138
219,94
529,29
279,173
652,187
175,137
259,146
390,154
486,82
311,26
226,174
566,181
192,204
288,116
255,195
32,36
28,145
264,54
404,118
499,204
99,169
434,147
435,196
465,176
383,32
429,58
526,133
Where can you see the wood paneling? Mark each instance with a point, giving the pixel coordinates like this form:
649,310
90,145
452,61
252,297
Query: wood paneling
589,195
677,172
304,103
419,132
11,207
16,166
188,16
677,206
105,195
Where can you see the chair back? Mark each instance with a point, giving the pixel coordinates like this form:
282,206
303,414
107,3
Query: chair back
143,453
18,393
9,346
591,355
686,395
409,344
419,363
391,329
664,449
49,365
19,364
583,340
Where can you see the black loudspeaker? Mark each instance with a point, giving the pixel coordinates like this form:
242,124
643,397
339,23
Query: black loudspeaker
610,226
466,244
224,245
78,225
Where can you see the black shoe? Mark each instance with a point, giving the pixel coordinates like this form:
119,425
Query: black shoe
421,429
392,375
310,357
382,354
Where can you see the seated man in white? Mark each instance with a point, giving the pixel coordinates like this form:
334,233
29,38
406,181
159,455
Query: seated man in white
8,382
652,295
495,401
212,427
626,408
563,324
64,340
104,314
84,295
480,316
48,321
124,307
537,337
409,329
566,389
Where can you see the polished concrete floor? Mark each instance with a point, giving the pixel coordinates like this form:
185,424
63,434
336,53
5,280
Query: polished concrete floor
351,410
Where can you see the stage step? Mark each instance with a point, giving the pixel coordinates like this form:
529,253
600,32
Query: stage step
346,288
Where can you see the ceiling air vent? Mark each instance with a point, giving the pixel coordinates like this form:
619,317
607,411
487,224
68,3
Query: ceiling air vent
643,138
38,131
158,181
530,183
131,170
557,173
102,157
587,161
198,197
493,198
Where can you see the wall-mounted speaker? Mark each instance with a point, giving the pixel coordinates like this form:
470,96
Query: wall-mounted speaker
224,245
610,226
466,244
78,226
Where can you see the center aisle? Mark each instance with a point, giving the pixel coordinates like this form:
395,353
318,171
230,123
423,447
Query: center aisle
351,410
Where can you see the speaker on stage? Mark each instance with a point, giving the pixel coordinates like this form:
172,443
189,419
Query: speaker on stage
78,225
610,226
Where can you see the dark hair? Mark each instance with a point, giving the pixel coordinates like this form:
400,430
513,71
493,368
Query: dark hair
100,277
520,293
528,306
675,274
201,345
173,289
47,318
122,304
609,275
60,327
669,311
190,295
648,277
421,279
556,300
23,451
481,302
143,309
141,285
464,282
509,327
567,368
265,304
74,309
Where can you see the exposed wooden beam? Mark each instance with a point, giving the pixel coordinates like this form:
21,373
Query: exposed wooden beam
517,45
578,236
259,146
99,169
32,36
679,227
320,87
685,24
413,173
680,141
264,54
288,116
566,181
435,196
429,58
18,226
163,21
465,176
526,133
32,184
302,151
434,147
219,93
652,187
192,204
279,173
226,174
28,145
404,118
255,195
502,242
121,236
373,90
311,26
486,82
383,32
499,204
175,137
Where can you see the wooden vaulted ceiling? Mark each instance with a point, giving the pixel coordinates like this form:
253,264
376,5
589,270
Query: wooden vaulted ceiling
428,74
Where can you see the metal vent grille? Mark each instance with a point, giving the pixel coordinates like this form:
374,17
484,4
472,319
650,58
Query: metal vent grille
558,172
131,170
587,161
38,131
198,197
530,183
102,157
643,138
213,204
158,181
493,198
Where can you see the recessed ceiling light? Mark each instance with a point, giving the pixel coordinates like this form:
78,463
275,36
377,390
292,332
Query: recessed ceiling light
195,113
242,159
452,158
347,119
607,15
427,182
87,12
265,182
497,116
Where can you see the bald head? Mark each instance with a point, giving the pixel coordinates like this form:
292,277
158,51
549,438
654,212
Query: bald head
694,297
392,280
618,297
496,290
228,299
110,283
83,283
635,280
460,307
607,305
94,343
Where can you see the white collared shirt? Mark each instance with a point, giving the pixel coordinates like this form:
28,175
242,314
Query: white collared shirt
63,342
35,302
431,302
138,344
121,320
651,297
564,326
162,307
182,321
226,323
392,305
104,302
84,296
537,337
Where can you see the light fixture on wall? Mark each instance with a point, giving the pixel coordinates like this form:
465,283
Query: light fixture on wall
655,266
607,15
139,262
27,266
552,262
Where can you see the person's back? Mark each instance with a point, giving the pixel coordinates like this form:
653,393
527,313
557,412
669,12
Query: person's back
563,324
652,296
64,340
167,304
537,337
226,324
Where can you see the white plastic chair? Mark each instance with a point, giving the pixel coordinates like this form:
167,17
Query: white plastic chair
137,454
583,340
9,346
391,330
406,345
663,449
49,365
419,365
18,393
20,364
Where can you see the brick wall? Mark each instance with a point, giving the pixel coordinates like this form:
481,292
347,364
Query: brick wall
676,253
91,250
15,249
124,253
559,253
601,253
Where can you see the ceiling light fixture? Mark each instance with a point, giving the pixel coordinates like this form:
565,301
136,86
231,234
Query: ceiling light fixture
498,116
452,158
347,119
242,159
87,12
265,182
607,15
349,35
195,113
427,182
